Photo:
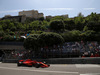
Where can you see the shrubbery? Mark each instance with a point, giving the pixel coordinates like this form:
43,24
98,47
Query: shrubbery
78,28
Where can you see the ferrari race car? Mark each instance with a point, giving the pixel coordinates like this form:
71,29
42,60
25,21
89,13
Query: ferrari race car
30,63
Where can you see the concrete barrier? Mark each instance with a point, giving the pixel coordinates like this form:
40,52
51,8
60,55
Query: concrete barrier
62,60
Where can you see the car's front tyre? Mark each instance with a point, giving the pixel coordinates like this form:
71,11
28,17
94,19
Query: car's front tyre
18,64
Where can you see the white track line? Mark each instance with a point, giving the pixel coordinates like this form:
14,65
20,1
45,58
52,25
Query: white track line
91,74
39,70
87,66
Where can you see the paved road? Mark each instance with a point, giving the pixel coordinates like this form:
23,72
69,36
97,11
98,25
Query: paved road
62,69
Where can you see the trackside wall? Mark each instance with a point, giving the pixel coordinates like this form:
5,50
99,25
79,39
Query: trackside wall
62,60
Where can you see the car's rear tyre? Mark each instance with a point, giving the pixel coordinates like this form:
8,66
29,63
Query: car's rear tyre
48,65
18,64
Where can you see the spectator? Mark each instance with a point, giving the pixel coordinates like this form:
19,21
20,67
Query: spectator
83,56
96,54
92,55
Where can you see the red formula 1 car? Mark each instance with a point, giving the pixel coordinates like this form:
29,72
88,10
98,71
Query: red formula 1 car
30,63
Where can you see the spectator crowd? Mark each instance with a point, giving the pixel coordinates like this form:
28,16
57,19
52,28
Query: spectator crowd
67,50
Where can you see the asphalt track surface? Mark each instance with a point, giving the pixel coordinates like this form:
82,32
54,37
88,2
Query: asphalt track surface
54,69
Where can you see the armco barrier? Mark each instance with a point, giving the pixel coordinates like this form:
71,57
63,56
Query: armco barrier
9,61
62,60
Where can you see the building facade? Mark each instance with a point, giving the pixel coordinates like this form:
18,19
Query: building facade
65,16
21,18
31,14
50,17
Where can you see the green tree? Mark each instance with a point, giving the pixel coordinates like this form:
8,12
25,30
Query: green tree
85,28
69,24
57,26
67,36
41,18
88,35
71,35
50,39
8,38
93,25
11,33
20,26
76,35
35,25
1,33
57,18
79,23
5,24
80,15
31,43
1,27
93,17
